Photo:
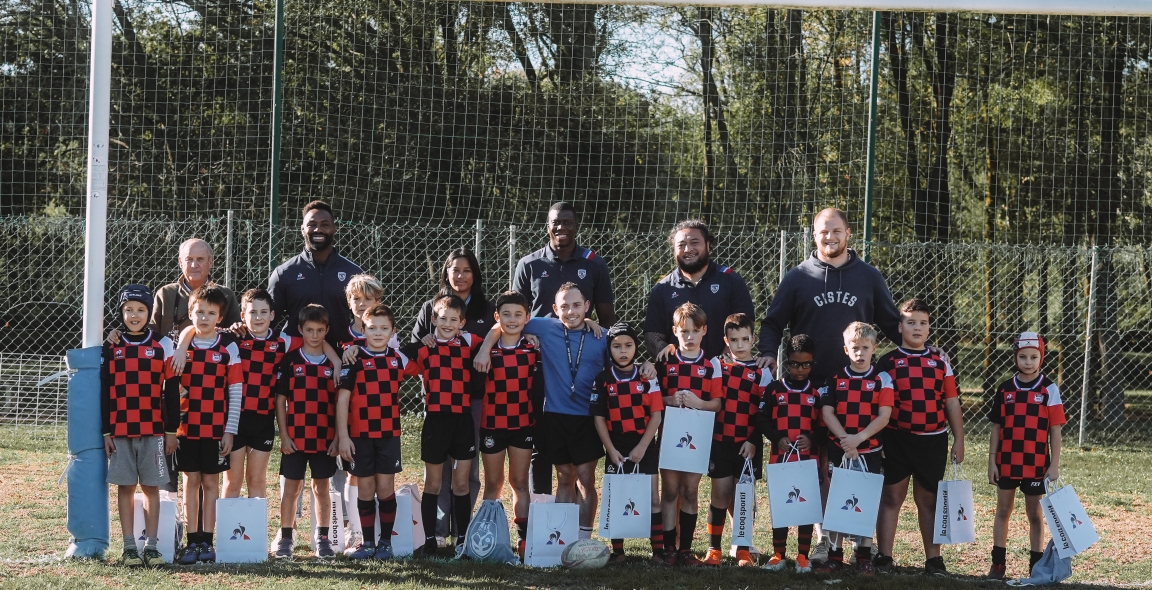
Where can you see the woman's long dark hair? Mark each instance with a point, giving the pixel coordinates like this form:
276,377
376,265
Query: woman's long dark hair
478,303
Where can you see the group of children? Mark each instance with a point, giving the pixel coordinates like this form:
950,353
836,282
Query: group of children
215,399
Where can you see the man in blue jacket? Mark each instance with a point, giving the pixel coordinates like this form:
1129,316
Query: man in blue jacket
825,293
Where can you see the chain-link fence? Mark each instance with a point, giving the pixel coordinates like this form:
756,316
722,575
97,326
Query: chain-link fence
984,294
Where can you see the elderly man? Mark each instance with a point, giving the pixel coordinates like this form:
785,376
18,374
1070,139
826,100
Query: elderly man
171,311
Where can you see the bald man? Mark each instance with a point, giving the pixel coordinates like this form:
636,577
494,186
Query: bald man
171,309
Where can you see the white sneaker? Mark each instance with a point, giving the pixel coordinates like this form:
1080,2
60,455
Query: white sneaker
354,542
441,541
819,553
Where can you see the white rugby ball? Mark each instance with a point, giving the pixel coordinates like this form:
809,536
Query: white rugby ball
584,554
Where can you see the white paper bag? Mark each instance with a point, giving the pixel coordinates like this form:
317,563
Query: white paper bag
166,535
853,500
686,441
241,530
955,521
408,529
744,506
602,523
1072,530
551,527
627,512
331,516
794,492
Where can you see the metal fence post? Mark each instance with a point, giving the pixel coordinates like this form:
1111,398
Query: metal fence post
511,255
870,175
228,251
479,238
1088,344
783,254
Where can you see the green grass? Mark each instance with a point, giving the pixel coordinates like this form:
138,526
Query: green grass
1116,486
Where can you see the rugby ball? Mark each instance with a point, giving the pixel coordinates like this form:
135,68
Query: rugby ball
584,554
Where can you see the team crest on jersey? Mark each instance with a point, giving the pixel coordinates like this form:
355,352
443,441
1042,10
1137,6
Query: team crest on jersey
869,385
931,363
327,372
149,352
300,276
299,370
1008,397
811,399
217,357
341,276
715,288
672,370
842,384
901,362
489,442
393,363
1038,398
273,347
582,273
700,371
119,353
637,387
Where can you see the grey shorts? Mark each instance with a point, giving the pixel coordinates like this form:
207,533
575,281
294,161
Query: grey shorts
138,461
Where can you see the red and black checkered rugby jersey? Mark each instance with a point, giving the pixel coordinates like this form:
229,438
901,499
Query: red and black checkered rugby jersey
857,400
139,397
1025,413
309,388
700,376
259,358
373,380
508,386
208,372
626,402
789,410
922,381
447,372
741,387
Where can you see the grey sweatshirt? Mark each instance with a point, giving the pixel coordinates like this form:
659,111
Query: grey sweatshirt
820,300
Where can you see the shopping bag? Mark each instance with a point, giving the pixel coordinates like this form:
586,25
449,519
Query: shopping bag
853,499
794,492
686,441
166,531
331,516
406,538
744,506
241,530
1071,528
551,527
1051,569
955,511
627,506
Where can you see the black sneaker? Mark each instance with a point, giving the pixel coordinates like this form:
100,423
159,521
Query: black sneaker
324,547
935,567
428,550
884,564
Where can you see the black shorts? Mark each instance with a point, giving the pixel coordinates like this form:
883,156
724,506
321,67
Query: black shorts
873,462
1030,487
725,460
497,441
200,455
924,457
447,435
322,465
375,456
625,442
571,439
256,431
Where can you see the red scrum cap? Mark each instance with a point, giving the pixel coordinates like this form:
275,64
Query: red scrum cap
1029,340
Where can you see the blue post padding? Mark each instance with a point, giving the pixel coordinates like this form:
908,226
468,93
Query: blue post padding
88,518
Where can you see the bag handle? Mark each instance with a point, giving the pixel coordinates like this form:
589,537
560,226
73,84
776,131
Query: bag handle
1051,487
792,450
858,462
635,469
956,472
747,471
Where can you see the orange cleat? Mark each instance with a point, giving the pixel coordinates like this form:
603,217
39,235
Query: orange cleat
714,557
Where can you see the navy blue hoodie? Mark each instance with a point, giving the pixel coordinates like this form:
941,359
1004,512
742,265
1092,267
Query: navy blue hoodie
820,300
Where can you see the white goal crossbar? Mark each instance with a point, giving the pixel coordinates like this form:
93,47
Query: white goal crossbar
1053,7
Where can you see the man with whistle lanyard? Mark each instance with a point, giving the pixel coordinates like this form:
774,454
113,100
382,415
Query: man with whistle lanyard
568,428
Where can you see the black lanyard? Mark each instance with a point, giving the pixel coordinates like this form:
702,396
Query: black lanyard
574,368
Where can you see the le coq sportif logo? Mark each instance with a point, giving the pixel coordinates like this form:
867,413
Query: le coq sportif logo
630,508
555,538
852,504
686,442
1075,521
794,496
239,534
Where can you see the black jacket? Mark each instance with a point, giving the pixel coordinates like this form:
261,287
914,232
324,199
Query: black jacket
301,281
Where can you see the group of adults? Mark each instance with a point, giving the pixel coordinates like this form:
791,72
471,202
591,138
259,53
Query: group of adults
819,297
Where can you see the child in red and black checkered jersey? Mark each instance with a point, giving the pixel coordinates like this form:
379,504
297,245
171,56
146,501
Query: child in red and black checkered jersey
927,405
1025,448
212,389
368,428
790,417
306,413
691,380
736,438
449,382
627,412
856,404
140,408
507,426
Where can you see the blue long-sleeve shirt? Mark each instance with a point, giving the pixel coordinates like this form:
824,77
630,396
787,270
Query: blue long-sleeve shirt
562,394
